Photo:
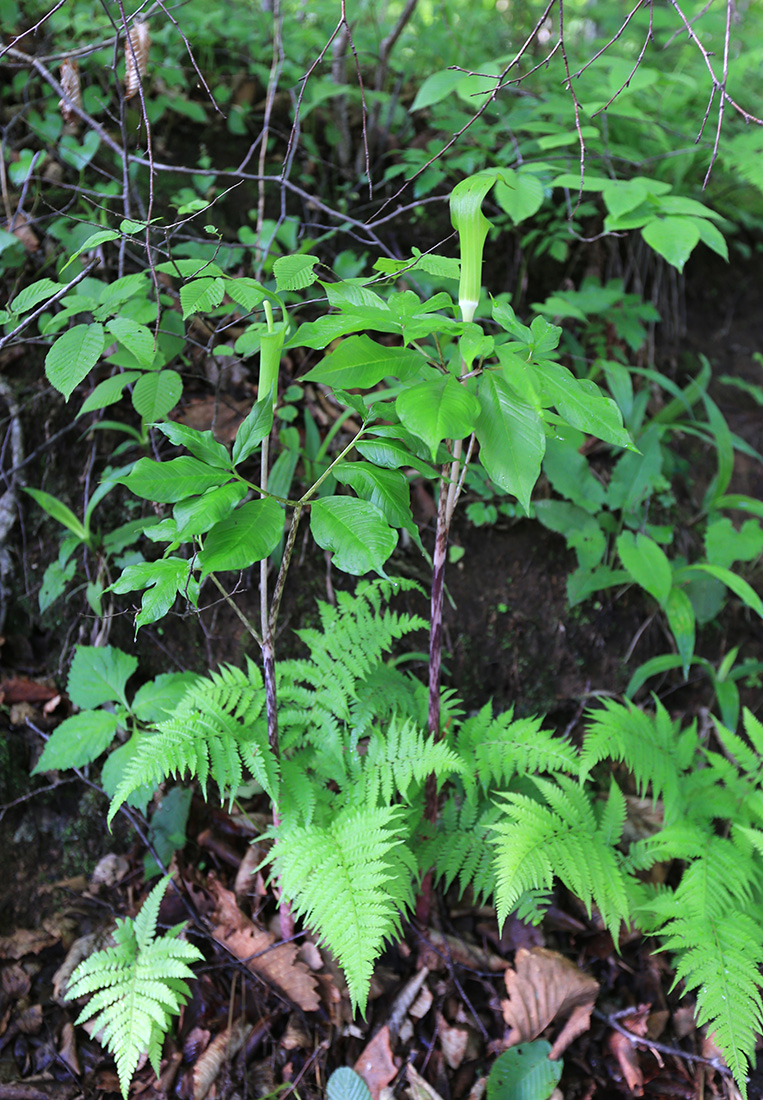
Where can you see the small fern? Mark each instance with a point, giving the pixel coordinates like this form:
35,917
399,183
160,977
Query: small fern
562,839
350,879
139,984
217,728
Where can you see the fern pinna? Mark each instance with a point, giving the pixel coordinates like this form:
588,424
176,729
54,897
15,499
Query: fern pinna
139,984
520,808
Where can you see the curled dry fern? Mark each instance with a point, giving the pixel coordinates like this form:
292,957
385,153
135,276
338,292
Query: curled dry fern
139,984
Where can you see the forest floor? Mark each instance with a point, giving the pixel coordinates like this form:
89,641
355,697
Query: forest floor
436,1015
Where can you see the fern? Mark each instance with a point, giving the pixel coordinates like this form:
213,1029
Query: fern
561,839
215,730
139,984
499,748
461,848
349,879
399,758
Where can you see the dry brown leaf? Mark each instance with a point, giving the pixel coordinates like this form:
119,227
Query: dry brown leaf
277,965
376,1065
219,1051
72,91
545,987
453,1041
420,1089
626,1052
457,950
67,1050
26,941
21,690
136,58
405,999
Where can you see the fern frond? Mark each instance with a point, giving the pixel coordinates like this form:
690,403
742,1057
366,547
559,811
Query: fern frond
215,731
563,839
651,746
496,749
720,957
461,847
349,881
400,756
138,985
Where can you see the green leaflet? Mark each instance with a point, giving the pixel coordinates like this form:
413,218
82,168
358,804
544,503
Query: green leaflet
356,532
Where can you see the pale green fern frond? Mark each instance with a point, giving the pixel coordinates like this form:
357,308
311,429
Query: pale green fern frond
651,746
215,731
534,843
400,757
349,880
498,748
720,957
139,984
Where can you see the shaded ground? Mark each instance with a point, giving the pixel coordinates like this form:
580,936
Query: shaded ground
509,636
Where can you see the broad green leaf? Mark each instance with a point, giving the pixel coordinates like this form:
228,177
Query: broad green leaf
156,700
160,581
58,511
246,292
198,514
73,355
570,472
435,88
437,410
167,834
138,339
637,476
201,295
189,268
356,532
711,235
156,393
738,585
99,675
202,445
294,272
393,454
583,583
524,1072
520,194
253,429
361,363
249,535
680,613
103,236
108,391
672,237
77,741
647,564
581,531
54,582
511,437
387,489
169,482
724,544
657,665
32,295
582,404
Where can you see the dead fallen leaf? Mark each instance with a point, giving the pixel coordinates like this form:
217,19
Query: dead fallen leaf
277,965
26,941
376,1065
457,950
109,870
420,1089
626,1052
409,994
220,1050
545,987
453,1041
21,690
